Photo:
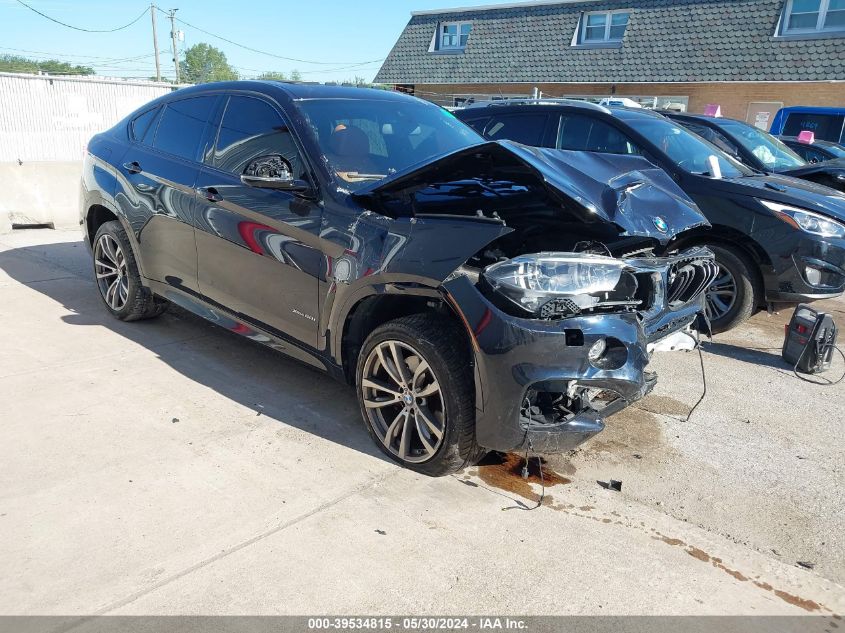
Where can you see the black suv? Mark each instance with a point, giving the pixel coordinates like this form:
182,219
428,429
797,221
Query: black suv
760,150
814,152
777,239
478,295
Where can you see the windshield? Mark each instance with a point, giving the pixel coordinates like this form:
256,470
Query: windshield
688,151
365,140
770,151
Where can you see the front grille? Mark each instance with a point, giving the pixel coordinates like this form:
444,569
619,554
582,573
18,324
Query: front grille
688,279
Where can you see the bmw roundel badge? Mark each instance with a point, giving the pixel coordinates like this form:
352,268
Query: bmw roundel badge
660,224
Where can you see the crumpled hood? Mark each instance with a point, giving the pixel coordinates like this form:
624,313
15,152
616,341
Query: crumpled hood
628,191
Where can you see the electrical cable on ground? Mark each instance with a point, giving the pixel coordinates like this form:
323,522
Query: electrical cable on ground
829,383
530,447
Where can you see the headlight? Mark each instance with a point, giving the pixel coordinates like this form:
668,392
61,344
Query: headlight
806,220
532,281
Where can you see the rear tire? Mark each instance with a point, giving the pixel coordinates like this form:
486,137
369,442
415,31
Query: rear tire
428,394
118,278
733,296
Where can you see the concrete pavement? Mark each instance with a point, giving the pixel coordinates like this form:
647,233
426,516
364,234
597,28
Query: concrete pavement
169,467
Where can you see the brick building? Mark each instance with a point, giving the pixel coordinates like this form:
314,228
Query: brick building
749,56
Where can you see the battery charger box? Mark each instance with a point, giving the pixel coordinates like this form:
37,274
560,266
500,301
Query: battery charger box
810,340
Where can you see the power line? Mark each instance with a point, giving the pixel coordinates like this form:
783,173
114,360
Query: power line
24,50
255,50
78,28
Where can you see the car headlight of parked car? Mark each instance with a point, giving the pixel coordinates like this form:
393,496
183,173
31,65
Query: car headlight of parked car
807,221
533,282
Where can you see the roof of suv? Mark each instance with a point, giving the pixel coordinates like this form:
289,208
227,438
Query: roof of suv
819,142
526,105
297,90
704,118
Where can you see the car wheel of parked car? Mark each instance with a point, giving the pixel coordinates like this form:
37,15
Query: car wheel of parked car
118,279
732,296
415,390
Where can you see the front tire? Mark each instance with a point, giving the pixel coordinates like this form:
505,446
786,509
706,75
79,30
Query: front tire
416,394
733,295
118,278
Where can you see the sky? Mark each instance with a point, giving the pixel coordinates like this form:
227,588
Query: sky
348,39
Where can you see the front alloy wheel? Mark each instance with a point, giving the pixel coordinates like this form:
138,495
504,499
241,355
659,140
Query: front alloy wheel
416,393
403,401
721,295
733,295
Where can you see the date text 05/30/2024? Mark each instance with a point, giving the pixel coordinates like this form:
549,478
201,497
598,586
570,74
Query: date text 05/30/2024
417,624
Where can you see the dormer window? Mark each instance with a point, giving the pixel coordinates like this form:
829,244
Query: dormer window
454,35
813,16
598,27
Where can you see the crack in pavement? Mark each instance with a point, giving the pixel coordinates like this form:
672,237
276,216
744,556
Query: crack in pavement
239,546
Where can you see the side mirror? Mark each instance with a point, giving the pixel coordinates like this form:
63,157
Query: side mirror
273,172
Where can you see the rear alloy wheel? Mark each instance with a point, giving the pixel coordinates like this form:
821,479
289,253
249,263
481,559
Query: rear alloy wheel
112,275
118,279
416,393
732,297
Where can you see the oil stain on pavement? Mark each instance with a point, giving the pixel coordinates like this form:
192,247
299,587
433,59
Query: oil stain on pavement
504,471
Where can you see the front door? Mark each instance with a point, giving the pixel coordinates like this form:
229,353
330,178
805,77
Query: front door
258,251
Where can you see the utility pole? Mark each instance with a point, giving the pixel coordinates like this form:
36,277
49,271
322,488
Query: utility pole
173,39
155,41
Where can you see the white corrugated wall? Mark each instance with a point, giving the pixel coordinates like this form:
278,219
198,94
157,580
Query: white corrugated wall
52,118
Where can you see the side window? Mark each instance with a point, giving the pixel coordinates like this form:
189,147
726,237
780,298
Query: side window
813,156
478,124
714,136
143,126
252,128
522,128
582,133
182,125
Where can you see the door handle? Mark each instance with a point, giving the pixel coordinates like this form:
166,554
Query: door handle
210,193
133,168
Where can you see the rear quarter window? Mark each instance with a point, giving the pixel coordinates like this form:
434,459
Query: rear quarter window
143,126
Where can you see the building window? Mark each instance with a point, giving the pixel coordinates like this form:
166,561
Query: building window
811,16
454,35
606,26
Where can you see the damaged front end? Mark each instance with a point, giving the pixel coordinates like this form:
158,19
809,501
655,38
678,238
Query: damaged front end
566,301
562,340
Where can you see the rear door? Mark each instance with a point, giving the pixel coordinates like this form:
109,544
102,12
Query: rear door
258,249
528,128
158,175
579,132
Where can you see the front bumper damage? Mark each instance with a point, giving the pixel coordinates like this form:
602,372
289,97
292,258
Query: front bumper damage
522,365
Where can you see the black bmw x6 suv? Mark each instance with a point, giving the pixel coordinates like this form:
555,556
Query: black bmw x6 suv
477,295
777,239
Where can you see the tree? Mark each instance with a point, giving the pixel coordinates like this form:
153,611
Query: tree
17,64
295,75
273,76
204,63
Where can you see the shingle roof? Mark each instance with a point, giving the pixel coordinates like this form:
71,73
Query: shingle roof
666,41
